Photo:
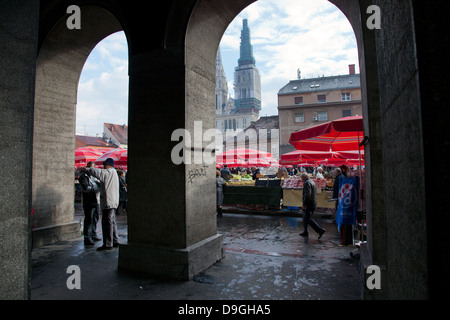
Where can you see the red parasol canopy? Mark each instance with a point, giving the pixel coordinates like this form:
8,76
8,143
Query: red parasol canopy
304,155
84,155
119,155
339,135
242,153
234,163
305,164
258,163
351,154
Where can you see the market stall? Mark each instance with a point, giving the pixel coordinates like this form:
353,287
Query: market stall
243,190
293,193
253,195
341,135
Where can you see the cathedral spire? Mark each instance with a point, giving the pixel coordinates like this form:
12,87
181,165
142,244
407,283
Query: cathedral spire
246,49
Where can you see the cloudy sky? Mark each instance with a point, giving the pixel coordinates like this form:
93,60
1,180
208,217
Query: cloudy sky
311,35
103,86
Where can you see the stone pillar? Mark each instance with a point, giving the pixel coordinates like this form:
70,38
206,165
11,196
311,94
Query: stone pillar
171,214
431,30
397,229
18,48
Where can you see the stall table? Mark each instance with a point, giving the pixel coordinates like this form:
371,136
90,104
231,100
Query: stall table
293,198
253,195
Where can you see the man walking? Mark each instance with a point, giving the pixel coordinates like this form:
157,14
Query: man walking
309,205
109,201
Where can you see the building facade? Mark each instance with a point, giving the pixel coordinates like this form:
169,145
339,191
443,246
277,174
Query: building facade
303,103
93,142
116,134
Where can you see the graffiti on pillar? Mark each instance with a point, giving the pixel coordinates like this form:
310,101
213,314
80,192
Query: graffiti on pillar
194,173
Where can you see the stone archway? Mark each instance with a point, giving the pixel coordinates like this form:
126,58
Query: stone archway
208,22
59,64
405,221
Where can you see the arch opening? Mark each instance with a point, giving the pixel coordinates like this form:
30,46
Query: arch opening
60,61
200,57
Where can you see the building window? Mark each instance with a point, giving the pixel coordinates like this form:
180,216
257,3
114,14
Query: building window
321,98
226,125
346,96
322,116
299,117
298,100
234,124
347,113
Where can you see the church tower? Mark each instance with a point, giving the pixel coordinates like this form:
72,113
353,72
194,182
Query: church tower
221,86
238,113
247,81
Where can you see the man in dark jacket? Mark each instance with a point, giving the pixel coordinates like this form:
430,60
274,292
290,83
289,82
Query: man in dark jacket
91,205
309,205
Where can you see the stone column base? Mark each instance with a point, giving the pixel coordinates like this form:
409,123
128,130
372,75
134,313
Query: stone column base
54,234
181,264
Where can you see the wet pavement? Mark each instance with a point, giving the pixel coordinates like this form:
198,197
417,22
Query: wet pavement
265,259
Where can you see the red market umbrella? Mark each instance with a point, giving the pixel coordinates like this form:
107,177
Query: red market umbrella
243,153
273,162
84,155
258,163
355,163
344,134
303,155
339,162
229,162
339,135
352,154
119,155
302,163
332,162
305,164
